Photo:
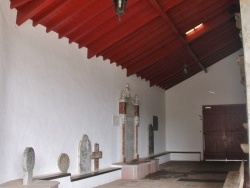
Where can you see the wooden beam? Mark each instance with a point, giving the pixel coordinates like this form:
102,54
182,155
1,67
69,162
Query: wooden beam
152,58
17,3
160,77
91,16
120,33
165,4
31,10
141,48
49,12
163,14
64,19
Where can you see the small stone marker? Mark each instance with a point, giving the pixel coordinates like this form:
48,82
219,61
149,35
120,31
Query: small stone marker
84,155
96,155
63,162
28,165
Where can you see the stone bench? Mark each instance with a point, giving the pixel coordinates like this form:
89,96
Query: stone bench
171,152
92,174
35,184
235,179
52,176
138,169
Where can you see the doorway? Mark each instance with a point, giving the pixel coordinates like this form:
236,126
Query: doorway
223,131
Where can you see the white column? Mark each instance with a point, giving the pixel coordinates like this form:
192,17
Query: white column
245,20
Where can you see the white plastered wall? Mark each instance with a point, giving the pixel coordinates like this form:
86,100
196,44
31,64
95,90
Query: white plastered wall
184,104
51,95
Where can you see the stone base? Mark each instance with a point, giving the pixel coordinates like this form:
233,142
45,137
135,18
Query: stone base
35,184
139,170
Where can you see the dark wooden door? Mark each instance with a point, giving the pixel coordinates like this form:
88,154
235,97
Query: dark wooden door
223,131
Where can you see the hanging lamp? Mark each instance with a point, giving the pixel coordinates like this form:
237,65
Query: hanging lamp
120,6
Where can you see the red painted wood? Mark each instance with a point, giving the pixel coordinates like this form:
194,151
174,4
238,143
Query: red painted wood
31,10
90,26
69,14
152,58
146,51
74,30
209,26
160,76
18,3
46,15
108,32
142,41
118,50
142,48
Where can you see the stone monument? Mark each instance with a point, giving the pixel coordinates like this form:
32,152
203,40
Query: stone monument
150,139
96,155
28,165
63,162
84,155
129,115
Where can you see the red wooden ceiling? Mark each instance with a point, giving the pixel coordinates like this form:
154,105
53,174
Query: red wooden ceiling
150,39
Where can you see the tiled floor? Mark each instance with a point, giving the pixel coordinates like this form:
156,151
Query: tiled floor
195,174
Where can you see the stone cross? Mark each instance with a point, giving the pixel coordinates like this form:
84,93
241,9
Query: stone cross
96,155
84,155
63,162
28,165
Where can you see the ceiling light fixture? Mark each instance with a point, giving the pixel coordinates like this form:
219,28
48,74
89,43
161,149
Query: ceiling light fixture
185,70
120,6
195,28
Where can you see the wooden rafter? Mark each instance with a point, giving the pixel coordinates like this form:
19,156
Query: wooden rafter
18,3
175,30
33,9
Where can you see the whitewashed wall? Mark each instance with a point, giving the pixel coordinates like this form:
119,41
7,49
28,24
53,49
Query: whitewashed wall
51,95
184,104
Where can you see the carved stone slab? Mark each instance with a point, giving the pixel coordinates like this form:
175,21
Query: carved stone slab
96,155
150,139
28,165
129,131
84,156
63,162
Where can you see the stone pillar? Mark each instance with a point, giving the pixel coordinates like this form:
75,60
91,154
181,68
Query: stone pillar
136,114
122,113
245,15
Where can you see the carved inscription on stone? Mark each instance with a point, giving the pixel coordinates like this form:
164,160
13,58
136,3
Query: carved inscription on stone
28,165
84,156
129,131
63,162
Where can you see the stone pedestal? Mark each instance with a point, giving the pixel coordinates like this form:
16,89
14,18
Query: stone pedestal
35,184
139,169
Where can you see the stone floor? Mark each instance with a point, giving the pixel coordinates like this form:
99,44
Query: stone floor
182,175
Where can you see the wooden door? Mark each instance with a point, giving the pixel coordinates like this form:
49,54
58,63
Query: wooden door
223,131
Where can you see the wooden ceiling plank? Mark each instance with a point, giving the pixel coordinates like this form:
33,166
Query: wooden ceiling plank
131,40
160,68
86,25
147,61
114,36
175,30
89,24
142,47
209,26
160,77
32,9
50,11
112,29
69,16
18,3
147,51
